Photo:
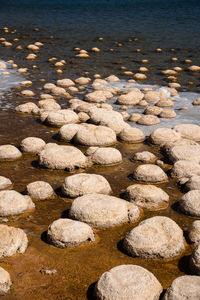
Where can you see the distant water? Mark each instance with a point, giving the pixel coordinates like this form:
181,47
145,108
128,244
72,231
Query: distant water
170,23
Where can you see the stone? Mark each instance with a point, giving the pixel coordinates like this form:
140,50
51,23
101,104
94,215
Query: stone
103,211
59,157
27,108
64,233
61,117
144,156
112,78
82,184
185,169
97,97
3,65
131,98
65,83
193,183
196,101
104,117
156,237
194,232
59,91
40,190
125,115
161,136
167,113
5,282
184,152
104,156
195,261
190,203
128,282
149,173
152,96
5,183
9,153
165,103
27,93
49,86
32,145
134,117
184,288
13,240
147,196
83,117
83,80
131,135
68,131
49,104
194,68
188,131
92,135
140,76
148,120
153,110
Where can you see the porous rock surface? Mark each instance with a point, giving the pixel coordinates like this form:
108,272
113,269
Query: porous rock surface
194,232
32,144
104,156
128,282
9,152
5,183
149,173
39,190
103,211
144,156
5,281
81,184
131,135
156,237
61,117
65,233
190,203
189,131
161,136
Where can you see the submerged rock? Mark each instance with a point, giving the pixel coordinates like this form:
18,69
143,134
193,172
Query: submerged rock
9,153
131,135
190,203
40,190
5,282
104,156
32,144
149,173
5,183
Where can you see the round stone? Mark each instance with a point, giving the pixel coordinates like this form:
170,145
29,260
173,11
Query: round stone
27,108
83,80
157,237
32,144
184,152
193,183
131,135
104,156
167,113
9,152
5,282
49,104
189,131
161,136
195,261
144,156
147,196
134,117
61,117
196,101
185,169
194,232
65,82
59,157
153,110
190,203
39,190
165,103
13,240
131,98
148,120
103,211
184,288
13,203
82,184
149,173
68,131
5,183
92,135
97,97
128,282
64,233
152,96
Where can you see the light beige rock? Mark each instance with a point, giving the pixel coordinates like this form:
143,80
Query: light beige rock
195,261
126,282
190,203
105,156
196,101
103,211
152,96
59,91
147,196
5,183
5,282
189,131
31,56
161,136
68,131
112,119
125,115
185,169
58,157
27,108
32,144
98,96
83,80
194,232
40,190
131,135
167,113
49,104
13,203
156,237
140,76
33,47
9,152
13,240
131,98
92,135
82,184
184,152
193,183
165,103
3,65
61,117
134,117
169,72
83,117
149,173
112,78
65,83
49,86
184,288
153,110
64,233
46,96
27,93
194,68
144,156
148,120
